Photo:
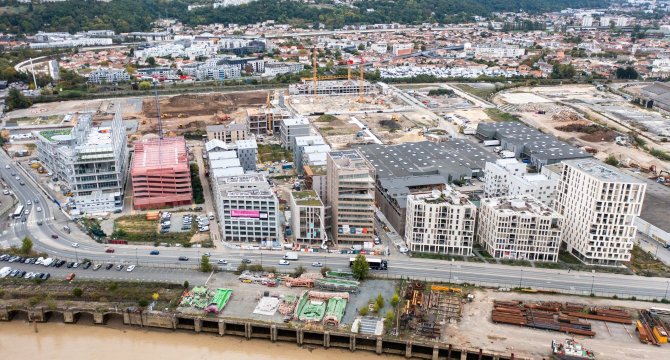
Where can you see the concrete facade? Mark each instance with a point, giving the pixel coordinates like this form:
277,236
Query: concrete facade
292,128
308,217
509,177
599,204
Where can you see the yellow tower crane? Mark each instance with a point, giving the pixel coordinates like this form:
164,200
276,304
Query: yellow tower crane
361,98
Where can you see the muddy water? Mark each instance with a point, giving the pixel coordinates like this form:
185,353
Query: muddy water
18,340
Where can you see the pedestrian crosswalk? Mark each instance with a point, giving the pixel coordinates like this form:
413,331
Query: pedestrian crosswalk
508,108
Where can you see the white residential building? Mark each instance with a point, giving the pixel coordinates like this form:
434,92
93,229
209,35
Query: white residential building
519,227
108,76
278,68
498,51
313,144
308,218
291,128
379,47
402,49
510,177
441,222
599,204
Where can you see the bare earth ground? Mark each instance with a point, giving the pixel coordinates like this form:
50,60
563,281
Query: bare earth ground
612,341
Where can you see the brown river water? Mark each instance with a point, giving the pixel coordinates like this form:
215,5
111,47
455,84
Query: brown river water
18,340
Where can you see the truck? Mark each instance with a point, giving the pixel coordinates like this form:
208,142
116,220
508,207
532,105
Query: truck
491,142
291,255
506,154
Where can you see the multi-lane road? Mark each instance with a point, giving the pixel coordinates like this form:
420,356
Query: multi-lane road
153,267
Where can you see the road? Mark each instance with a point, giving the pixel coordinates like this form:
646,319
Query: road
399,265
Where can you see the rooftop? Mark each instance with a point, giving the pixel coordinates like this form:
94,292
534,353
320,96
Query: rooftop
519,205
602,172
160,153
307,198
56,135
447,196
295,121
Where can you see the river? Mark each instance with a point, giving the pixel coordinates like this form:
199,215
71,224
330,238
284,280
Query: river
18,340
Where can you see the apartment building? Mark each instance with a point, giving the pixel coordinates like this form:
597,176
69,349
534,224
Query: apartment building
498,51
247,208
440,222
246,151
519,227
160,174
402,49
264,121
306,145
331,87
509,177
599,204
108,76
89,162
308,218
350,183
292,128
278,68
228,133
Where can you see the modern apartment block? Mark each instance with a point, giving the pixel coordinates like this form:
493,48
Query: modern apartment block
441,222
247,208
509,177
308,145
308,218
351,195
245,150
160,174
89,162
599,204
228,133
292,128
519,227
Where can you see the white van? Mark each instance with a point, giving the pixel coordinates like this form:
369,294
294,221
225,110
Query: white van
5,271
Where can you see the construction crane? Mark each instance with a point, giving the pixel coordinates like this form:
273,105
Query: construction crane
270,123
349,63
158,113
361,98
314,70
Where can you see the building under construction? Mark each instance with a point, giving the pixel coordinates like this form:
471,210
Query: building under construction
331,87
266,121
160,174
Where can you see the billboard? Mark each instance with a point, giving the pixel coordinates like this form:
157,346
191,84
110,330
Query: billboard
246,213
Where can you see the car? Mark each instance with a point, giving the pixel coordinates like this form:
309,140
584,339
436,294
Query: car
70,264
18,178
21,182
87,265
317,264
198,208
377,241
207,254
119,267
108,266
74,245
6,192
21,274
26,212
284,262
14,273
39,222
61,263
45,276
75,265
109,250
28,275
37,201
38,209
70,277
96,267
154,252
403,250
246,261
222,262
183,258
29,202
130,268
7,166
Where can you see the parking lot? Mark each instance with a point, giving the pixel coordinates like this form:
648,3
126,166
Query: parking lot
139,273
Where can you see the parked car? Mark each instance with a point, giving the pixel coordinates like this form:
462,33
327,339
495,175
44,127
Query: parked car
87,265
96,267
46,276
130,268
109,266
119,267
222,262
70,264
109,250
246,261
70,277
75,245
183,258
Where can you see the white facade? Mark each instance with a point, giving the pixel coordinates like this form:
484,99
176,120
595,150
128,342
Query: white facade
599,204
519,227
247,208
308,217
509,177
442,222
402,49
379,47
498,51
291,128
109,76
278,68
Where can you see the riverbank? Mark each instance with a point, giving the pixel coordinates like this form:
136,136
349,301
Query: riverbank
85,342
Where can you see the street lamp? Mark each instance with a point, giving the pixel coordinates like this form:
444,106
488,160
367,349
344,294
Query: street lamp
137,261
521,278
261,257
450,269
593,279
666,289
325,260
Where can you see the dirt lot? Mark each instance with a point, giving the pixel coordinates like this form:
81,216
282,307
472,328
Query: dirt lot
193,112
570,109
612,341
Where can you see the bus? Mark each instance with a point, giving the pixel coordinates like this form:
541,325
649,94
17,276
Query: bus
375,264
18,212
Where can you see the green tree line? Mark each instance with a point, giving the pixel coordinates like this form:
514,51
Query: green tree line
133,15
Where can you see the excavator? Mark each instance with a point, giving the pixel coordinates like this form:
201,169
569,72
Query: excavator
659,176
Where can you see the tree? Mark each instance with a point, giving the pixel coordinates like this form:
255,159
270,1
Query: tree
77,292
611,160
26,245
395,300
142,303
325,270
205,266
361,46
626,73
298,271
145,85
360,268
563,71
186,284
151,61
119,234
363,311
16,100
380,301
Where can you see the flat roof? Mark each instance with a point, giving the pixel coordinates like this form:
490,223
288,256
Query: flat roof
519,205
159,153
602,171
425,158
306,198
